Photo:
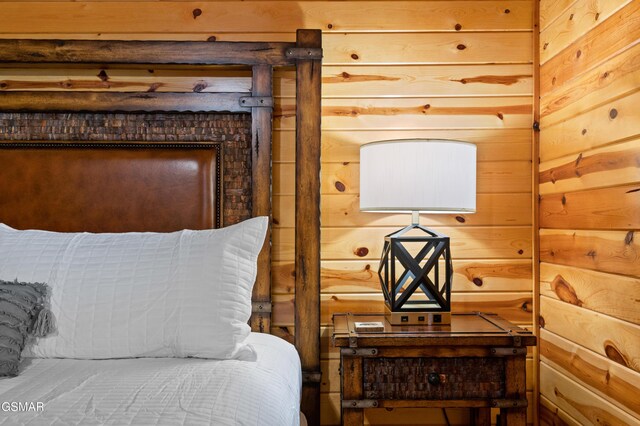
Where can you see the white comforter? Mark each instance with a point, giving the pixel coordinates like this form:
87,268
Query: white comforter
158,391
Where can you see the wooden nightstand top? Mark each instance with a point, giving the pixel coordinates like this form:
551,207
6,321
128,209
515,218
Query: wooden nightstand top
465,329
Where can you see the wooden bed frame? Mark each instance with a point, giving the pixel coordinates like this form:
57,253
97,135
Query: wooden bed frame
305,55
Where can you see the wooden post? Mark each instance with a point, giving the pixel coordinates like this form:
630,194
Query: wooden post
307,239
351,390
261,192
515,387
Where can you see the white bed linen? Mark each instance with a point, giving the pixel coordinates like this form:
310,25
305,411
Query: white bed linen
160,391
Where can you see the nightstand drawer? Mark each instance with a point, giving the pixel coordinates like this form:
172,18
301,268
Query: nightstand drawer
433,378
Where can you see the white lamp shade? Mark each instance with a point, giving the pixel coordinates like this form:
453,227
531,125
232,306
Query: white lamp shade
425,175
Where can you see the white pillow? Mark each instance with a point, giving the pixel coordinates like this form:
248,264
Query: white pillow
180,294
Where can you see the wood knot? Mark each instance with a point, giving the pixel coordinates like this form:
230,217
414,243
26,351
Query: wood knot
520,251
346,75
153,87
458,27
592,254
525,306
67,84
330,26
212,38
614,354
463,80
200,86
578,53
361,251
151,71
597,16
571,17
478,281
367,267
544,47
461,47
340,186
196,12
507,11
613,113
354,57
500,116
102,75
3,85
553,80
628,239
605,74
563,200
565,291
461,219
276,221
541,321
584,132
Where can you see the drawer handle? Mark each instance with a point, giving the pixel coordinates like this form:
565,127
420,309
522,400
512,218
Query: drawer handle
434,379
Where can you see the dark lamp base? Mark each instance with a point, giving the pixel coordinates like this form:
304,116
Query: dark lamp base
417,318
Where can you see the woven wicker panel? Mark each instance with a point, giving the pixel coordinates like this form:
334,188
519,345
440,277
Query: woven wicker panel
406,378
232,130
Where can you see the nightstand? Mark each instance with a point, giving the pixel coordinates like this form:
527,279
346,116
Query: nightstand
477,362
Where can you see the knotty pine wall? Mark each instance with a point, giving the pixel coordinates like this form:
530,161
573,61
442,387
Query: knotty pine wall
392,69
590,212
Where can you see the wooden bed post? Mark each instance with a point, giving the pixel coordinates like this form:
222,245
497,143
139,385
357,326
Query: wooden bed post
307,240
261,123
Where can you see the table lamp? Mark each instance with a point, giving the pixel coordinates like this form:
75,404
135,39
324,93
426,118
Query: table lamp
431,176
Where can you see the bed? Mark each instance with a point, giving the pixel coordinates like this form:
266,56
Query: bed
119,162
162,391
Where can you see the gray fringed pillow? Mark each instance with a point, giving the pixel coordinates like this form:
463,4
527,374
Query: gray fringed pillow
22,314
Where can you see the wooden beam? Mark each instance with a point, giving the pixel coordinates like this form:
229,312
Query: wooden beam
121,101
616,207
611,294
618,341
604,251
144,52
618,32
600,375
260,17
261,188
513,306
586,407
307,238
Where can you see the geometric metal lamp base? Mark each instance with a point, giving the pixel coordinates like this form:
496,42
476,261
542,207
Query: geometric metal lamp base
417,318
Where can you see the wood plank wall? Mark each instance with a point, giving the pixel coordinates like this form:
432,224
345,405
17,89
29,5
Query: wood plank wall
457,69
589,212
